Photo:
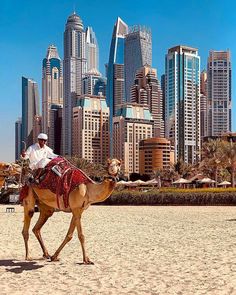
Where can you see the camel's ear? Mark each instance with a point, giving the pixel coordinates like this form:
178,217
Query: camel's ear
109,161
120,161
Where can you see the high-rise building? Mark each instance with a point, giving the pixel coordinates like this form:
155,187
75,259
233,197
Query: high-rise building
219,92
203,104
138,52
37,127
183,102
92,50
132,124
30,108
115,71
163,88
18,143
52,84
94,83
74,69
146,89
91,129
55,131
154,154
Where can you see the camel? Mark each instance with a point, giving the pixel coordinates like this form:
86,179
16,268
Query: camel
79,200
8,169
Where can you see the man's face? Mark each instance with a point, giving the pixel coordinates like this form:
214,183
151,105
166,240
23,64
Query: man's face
41,142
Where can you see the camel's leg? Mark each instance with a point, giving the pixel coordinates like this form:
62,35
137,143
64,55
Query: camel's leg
77,215
28,203
45,213
68,237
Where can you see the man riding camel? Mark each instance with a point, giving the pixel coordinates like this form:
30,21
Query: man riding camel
39,155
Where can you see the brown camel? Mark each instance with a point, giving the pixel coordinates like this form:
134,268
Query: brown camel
8,169
79,200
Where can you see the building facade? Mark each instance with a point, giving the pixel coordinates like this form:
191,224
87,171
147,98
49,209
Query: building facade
52,84
203,104
132,124
219,92
182,121
91,129
92,50
154,154
94,83
138,52
146,89
55,131
74,69
30,109
115,72
18,140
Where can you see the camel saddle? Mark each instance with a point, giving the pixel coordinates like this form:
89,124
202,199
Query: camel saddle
62,180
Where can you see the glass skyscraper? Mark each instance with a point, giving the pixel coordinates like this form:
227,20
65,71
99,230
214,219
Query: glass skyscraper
115,71
30,108
219,92
74,70
138,53
182,121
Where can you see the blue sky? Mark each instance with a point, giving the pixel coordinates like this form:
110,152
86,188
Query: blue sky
28,27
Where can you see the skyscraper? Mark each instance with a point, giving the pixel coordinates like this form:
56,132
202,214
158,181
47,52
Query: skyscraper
93,83
74,70
203,104
30,108
115,70
52,84
92,50
219,92
55,131
138,52
18,144
183,102
146,89
132,124
91,129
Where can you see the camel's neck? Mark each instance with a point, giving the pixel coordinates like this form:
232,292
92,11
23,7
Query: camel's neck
100,192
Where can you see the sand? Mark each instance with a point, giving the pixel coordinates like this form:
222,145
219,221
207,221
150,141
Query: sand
136,250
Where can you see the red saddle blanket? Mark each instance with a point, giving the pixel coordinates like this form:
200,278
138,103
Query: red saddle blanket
62,185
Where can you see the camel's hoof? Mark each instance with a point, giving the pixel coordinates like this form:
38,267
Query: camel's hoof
54,259
46,257
28,258
87,261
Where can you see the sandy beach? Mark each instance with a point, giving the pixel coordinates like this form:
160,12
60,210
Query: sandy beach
136,250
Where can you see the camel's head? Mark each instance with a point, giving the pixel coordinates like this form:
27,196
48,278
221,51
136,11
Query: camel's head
113,167
9,169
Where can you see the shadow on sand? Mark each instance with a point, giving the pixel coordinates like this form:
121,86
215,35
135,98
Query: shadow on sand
19,266
231,219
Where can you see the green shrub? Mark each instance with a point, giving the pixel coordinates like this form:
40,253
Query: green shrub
209,196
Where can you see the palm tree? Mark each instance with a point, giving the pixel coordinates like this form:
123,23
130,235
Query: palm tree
211,158
229,158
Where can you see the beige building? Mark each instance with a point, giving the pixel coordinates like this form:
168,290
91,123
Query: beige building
155,154
146,89
132,124
90,135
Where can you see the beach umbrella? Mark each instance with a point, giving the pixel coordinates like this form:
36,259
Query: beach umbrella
181,181
224,183
206,180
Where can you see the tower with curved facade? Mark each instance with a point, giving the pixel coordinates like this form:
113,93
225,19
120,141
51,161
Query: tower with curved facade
115,71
